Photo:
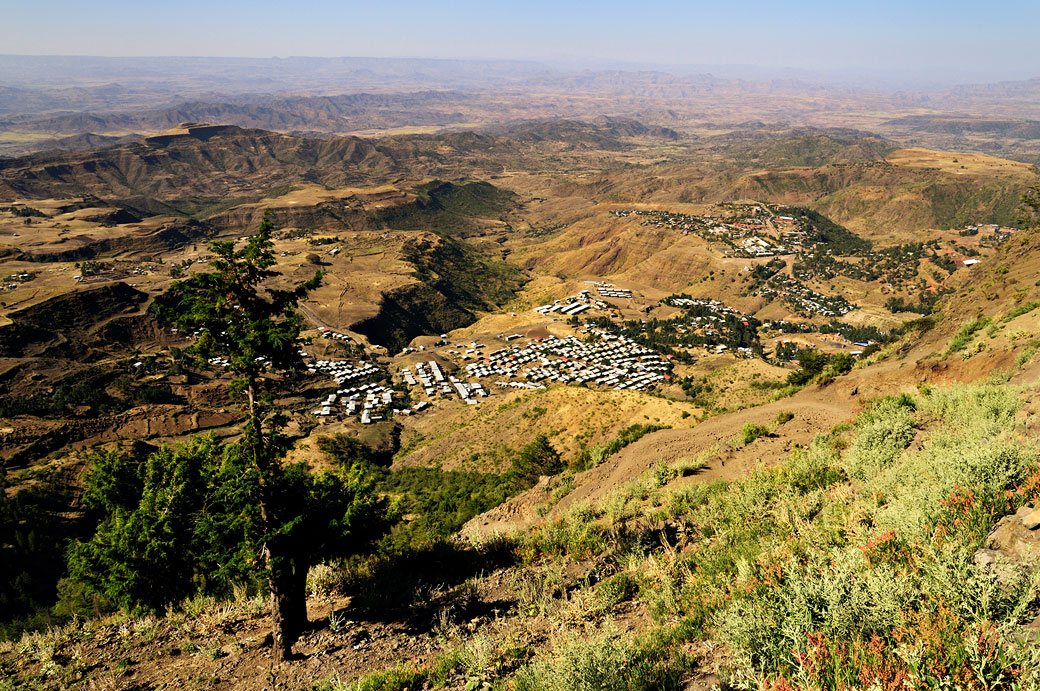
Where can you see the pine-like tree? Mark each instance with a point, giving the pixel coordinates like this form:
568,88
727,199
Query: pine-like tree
196,517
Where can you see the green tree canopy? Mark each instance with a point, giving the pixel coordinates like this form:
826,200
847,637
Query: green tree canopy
207,515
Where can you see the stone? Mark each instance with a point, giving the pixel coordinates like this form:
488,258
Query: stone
985,558
1014,537
1031,521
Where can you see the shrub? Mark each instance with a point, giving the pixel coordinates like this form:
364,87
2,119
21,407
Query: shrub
615,590
1024,308
605,661
967,330
875,587
884,431
751,431
842,600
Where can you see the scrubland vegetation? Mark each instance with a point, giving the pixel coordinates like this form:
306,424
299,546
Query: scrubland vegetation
845,561
848,565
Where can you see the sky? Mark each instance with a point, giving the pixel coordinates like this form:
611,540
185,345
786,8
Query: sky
950,41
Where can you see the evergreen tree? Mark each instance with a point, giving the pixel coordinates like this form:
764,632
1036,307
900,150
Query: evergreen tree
203,516
256,328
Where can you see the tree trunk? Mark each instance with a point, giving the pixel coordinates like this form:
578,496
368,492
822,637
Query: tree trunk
295,604
288,583
282,638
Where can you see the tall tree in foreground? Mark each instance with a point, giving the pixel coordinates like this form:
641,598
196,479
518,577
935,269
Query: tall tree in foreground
254,329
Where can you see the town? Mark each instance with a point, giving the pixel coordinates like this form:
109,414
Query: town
604,359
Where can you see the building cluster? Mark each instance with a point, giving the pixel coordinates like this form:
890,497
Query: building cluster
434,382
609,360
583,301
609,290
326,332
372,402
803,299
666,219
987,229
897,265
744,230
570,307
714,309
344,372
703,323
758,246
519,385
473,350
14,280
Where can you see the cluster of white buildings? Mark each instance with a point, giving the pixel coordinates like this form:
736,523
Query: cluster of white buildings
14,280
609,290
741,232
326,332
758,246
370,401
431,377
612,361
343,371
569,307
468,352
576,304
716,324
716,306
519,385
373,402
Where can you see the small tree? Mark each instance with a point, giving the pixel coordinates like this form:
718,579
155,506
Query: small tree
255,328
172,525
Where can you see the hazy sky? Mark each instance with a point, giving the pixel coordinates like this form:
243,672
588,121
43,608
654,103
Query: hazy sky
956,40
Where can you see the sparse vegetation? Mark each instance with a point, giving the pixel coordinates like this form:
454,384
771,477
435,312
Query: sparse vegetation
963,336
524,537
1024,308
591,457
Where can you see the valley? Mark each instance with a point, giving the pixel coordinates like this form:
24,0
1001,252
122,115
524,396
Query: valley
615,377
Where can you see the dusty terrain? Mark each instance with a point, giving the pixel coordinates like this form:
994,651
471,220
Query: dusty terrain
420,270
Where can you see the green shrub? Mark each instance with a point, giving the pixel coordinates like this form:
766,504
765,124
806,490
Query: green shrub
884,431
616,589
398,679
1027,353
605,661
812,583
963,337
750,432
837,597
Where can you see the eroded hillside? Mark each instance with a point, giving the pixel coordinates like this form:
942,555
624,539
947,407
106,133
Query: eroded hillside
630,388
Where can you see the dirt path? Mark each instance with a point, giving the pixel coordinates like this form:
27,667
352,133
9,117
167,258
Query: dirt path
815,410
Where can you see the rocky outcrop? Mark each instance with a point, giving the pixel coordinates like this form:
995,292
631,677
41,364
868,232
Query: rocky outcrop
1015,538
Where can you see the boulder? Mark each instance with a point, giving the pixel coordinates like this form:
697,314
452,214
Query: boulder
1016,537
